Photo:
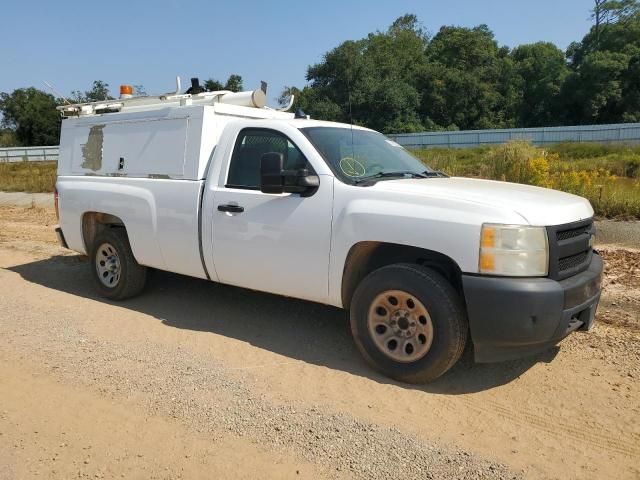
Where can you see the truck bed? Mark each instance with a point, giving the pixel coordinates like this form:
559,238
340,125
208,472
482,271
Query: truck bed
158,213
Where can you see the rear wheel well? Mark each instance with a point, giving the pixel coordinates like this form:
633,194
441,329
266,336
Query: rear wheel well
95,222
365,257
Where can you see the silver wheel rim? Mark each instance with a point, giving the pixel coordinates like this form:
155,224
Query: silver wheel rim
108,265
400,326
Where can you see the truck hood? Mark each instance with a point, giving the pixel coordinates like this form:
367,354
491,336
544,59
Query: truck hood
538,206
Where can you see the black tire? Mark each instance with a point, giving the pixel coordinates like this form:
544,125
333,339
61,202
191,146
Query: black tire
132,276
449,325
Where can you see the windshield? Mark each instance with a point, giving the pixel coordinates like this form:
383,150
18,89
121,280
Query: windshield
355,155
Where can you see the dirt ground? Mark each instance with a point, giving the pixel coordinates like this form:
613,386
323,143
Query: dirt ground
198,380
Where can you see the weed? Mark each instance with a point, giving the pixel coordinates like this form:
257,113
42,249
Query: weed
27,177
608,176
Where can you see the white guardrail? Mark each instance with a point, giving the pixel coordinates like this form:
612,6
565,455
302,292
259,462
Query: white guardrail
616,133
29,154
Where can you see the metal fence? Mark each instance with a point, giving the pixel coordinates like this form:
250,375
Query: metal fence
616,133
29,154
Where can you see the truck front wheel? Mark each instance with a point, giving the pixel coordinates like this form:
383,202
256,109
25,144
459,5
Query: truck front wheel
408,322
117,274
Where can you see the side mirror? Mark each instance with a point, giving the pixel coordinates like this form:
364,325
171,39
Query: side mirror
275,179
271,179
306,180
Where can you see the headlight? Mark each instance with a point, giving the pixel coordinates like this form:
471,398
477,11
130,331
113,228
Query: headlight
513,250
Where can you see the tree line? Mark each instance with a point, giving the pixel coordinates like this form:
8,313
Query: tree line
406,80
30,118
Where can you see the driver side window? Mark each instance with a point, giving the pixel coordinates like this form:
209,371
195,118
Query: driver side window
252,143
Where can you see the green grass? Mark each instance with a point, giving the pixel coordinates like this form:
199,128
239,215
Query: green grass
32,177
607,175
619,160
618,199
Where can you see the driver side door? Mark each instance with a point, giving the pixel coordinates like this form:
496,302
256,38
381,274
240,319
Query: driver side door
277,243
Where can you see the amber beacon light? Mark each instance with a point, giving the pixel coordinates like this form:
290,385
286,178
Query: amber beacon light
126,91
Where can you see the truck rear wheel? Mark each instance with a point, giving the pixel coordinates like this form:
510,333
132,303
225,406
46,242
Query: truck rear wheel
408,322
117,274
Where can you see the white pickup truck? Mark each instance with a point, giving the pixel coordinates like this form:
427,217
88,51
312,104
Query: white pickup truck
217,186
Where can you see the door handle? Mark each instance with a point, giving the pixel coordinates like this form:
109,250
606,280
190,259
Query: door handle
230,208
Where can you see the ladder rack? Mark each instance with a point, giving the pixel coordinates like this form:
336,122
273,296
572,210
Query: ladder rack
255,99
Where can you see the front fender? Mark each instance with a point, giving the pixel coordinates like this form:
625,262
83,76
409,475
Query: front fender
443,225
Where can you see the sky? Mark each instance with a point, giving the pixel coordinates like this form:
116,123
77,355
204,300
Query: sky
70,43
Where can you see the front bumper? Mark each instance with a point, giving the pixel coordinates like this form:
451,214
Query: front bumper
516,317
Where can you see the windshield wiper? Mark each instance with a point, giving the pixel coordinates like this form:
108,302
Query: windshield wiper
390,175
435,173
400,174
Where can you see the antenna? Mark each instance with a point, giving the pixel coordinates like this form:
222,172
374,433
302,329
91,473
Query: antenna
56,92
353,149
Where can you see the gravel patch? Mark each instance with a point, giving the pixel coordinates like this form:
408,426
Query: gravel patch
27,200
210,398
618,232
620,302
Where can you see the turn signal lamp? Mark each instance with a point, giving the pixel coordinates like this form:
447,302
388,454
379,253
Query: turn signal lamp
513,250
